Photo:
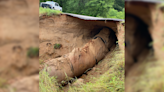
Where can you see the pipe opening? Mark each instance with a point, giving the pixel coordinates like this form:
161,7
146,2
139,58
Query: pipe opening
112,36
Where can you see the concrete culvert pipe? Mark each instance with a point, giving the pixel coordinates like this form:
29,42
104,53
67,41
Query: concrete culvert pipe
79,60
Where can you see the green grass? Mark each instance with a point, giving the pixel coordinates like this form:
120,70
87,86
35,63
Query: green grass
111,81
106,83
57,46
152,78
33,52
48,11
47,84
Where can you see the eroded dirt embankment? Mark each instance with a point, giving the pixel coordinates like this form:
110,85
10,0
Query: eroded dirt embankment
80,59
71,32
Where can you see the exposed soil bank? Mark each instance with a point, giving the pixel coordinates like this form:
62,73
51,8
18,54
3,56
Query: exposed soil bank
80,59
71,32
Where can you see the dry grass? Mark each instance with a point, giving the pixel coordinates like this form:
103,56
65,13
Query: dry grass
149,76
111,81
152,79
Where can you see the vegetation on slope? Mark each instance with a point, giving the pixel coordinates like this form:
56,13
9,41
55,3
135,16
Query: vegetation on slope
111,81
96,8
48,11
149,76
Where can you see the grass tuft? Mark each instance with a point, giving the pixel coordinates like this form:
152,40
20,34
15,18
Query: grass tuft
33,52
48,11
46,83
57,46
108,82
